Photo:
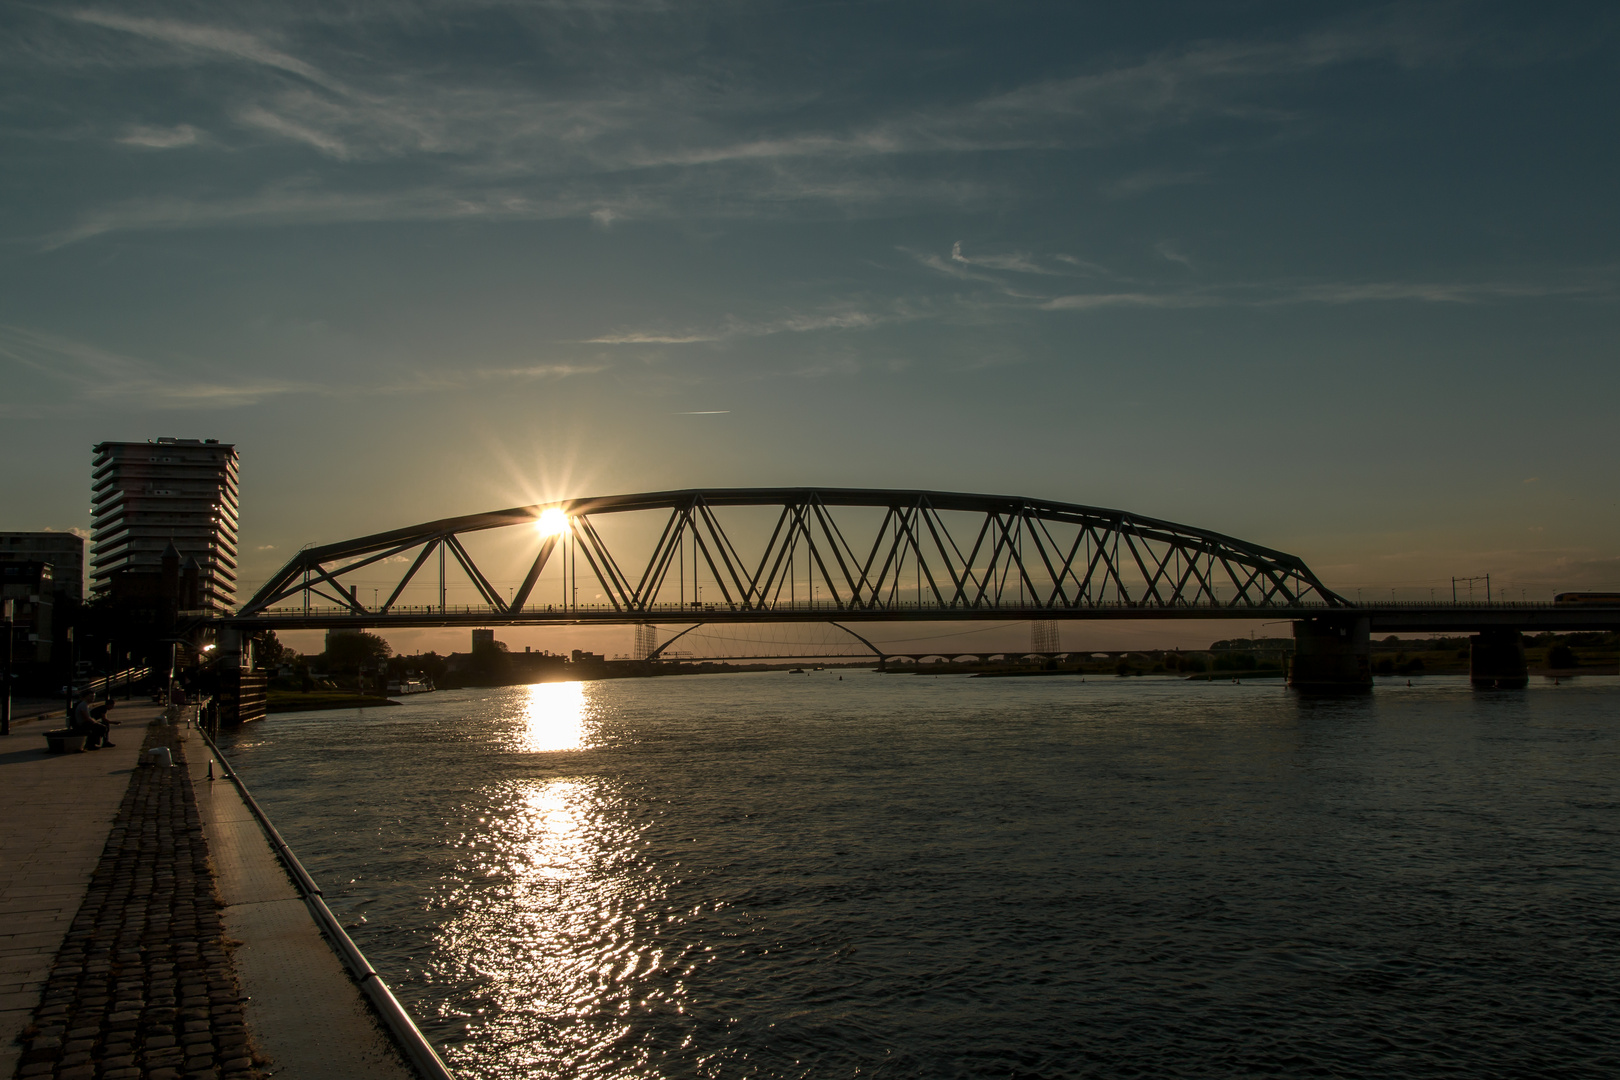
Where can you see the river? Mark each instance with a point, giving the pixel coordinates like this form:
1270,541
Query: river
843,874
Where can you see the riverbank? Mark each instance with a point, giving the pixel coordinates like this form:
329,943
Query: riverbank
146,933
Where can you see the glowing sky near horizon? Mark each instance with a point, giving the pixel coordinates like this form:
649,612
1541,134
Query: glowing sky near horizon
1338,279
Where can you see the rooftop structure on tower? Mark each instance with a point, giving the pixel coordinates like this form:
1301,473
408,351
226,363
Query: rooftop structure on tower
147,496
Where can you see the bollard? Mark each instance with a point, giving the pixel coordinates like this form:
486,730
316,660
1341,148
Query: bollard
161,757
210,770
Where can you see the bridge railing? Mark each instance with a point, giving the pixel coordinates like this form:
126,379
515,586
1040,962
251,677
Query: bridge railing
403,611
1481,605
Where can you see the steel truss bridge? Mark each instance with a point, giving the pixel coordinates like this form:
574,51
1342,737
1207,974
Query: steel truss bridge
832,555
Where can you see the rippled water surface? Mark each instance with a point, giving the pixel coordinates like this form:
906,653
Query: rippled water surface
781,875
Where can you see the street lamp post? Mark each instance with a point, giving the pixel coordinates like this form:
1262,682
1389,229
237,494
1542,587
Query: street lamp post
73,671
7,608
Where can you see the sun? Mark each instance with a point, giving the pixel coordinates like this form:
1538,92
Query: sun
552,522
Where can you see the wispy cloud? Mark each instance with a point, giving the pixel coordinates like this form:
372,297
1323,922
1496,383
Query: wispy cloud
542,371
205,41
1169,252
96,375
1084,266
262,118
648,142
429,380
300,203
1016,262
1089,301
1271,295
160,138
997,304
651,337
91,375
1434,292
792,323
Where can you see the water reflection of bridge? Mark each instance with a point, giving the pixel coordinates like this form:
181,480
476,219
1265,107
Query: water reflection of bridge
842,556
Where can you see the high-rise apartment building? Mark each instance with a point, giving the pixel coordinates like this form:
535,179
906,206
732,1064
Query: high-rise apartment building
63,550
146,496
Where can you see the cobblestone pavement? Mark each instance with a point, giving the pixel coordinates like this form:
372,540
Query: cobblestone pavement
143,985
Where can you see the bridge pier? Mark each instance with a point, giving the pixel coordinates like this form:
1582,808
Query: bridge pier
1332,655
1496,660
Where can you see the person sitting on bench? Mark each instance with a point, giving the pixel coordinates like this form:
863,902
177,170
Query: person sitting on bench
93,722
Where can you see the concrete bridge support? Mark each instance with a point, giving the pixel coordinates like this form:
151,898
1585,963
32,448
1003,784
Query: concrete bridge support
1496,660
1332,655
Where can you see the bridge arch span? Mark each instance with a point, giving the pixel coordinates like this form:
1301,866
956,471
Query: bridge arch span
783,554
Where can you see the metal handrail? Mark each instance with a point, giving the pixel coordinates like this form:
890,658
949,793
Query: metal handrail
404,1029
127,676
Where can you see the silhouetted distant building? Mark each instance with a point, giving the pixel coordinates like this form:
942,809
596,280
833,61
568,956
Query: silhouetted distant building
341,631
63,550
156,595
152,496
32,592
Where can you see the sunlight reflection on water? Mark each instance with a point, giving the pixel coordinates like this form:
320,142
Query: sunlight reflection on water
554,942
549,892
555,717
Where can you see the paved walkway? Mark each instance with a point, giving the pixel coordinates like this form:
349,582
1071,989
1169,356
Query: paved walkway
24,709
55,814
306,1015
142,986
151,932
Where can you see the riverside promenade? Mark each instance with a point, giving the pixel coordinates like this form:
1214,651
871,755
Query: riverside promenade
147,929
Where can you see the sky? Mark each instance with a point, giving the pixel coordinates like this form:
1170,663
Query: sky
1339,279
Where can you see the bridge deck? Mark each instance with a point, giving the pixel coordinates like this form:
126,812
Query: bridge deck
1387,618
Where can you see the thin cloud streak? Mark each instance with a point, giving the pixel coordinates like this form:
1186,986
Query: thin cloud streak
98,375
788,324
291,204
205,40
543,371
1330,293
158,138
472,149
95,376
1008,304
988,270
646,337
